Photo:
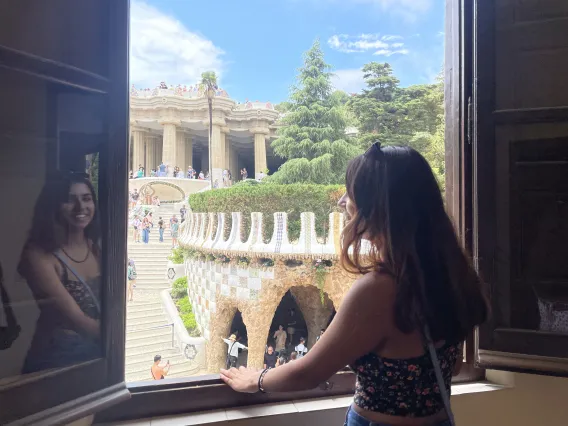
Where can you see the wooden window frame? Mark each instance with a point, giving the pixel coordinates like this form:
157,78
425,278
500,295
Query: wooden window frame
101,380
192,394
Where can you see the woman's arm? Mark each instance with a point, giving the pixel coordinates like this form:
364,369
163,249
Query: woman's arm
360,326
39,271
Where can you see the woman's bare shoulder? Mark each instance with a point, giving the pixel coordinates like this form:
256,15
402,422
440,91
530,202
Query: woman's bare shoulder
376,289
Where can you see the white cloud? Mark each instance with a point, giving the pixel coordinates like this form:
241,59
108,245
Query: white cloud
348,80
163,49
367,42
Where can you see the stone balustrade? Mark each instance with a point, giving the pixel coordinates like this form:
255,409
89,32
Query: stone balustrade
207,231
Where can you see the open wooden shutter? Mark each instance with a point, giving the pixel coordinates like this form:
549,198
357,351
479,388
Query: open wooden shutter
520,146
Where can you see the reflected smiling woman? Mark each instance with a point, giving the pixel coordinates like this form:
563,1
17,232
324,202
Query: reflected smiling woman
61,263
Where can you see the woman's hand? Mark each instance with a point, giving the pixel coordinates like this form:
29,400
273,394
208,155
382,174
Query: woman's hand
242,380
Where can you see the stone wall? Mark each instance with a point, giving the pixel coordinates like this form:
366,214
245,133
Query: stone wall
218,290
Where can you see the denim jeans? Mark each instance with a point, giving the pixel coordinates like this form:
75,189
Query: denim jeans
353,418
146,235
161,230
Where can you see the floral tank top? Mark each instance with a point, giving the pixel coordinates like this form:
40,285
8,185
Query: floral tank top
403,387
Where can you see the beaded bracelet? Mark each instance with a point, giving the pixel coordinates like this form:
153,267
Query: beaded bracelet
261,379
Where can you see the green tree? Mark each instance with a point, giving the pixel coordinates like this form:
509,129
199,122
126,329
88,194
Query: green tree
312,138
208,86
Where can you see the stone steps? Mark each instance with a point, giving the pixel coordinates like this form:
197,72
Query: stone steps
147,330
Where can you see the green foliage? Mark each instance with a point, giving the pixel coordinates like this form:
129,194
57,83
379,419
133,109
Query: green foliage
208,80
187,316
269,198
247,182
179,288
312,137
412,116
177,255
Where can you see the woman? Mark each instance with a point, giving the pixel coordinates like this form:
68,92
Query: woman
174,227
145,230
415,283
131,278
61,263
137,225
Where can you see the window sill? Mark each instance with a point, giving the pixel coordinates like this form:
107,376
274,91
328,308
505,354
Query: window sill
222,417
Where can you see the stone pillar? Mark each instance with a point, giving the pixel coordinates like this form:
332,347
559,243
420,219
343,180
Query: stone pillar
179,153
158,142
150,154
235,164
169,142
188,152
259,150
217,153
204,161
138,135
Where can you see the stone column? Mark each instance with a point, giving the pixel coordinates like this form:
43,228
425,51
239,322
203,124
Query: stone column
138,135
179,153
315,313
150,154
259,150
228,155
169,142
188,152
204,161
235,164
158,142
217,153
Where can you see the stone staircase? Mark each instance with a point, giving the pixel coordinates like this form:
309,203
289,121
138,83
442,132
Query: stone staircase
148,331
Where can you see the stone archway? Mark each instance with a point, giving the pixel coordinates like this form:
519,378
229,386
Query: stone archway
290,316
316,313
239,329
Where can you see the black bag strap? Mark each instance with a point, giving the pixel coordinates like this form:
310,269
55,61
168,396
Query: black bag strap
10,332
439,376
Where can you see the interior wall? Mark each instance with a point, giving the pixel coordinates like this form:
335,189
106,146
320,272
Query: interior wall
23,150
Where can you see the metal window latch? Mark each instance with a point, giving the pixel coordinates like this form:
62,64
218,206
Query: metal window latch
469,128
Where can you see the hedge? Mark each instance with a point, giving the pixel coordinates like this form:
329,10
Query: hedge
179,288
269,198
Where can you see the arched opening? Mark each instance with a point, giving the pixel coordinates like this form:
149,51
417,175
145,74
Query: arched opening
290,317
239,329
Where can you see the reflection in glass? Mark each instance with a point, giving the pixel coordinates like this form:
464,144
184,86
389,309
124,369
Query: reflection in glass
61,263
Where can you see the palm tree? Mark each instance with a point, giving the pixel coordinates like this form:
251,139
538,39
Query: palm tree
208,85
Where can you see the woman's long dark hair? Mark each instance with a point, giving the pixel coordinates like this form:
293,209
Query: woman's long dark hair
48,231
401,211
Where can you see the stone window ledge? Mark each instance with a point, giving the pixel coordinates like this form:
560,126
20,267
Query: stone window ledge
222,417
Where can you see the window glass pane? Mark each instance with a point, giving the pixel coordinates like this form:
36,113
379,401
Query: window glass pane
50,253
231,253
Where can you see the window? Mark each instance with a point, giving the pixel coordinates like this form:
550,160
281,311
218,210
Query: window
65,114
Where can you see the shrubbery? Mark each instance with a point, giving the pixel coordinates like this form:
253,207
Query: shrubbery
179,288
177,256
269,198
181,300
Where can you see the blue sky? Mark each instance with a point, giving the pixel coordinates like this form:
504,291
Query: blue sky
256,46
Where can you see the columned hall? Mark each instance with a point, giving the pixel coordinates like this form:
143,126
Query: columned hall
171,125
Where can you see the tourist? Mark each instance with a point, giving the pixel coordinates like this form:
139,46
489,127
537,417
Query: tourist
225,177
417,294
162,170
201,175
280,336
145,230
230,177
171,221
161,229
216,184
233,350
159,372
130,175
182,213
135,196
261,176
150,219
137,225
321,334
175,229
152,172
140,172
190,172
61,264
293,356
131,278
281,361
301,349
270,357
